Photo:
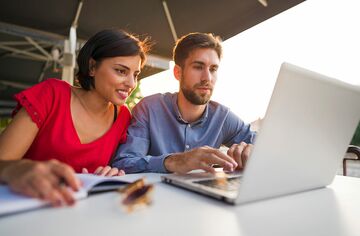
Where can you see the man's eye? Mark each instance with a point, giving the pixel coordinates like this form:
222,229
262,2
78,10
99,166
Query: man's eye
214,69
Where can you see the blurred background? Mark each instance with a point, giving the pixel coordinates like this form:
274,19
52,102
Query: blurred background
39,39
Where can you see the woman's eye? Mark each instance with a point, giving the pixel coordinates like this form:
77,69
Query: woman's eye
121,71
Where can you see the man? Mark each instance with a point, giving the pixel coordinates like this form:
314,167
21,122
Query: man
181,132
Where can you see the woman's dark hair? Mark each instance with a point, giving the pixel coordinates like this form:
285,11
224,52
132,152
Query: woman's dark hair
104,44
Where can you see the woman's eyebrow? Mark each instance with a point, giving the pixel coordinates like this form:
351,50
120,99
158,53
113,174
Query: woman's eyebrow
123,66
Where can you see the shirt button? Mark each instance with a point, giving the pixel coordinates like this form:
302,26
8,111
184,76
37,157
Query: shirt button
189,125
187,146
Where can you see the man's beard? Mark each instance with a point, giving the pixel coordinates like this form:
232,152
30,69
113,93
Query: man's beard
194,98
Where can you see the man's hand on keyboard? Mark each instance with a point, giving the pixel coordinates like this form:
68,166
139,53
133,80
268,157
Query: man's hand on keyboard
240,153
199,158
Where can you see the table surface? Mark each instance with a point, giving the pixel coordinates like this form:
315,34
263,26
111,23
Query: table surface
334,210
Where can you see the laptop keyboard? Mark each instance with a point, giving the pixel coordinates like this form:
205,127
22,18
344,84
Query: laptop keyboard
226,184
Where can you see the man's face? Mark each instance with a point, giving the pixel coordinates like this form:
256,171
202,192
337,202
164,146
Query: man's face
198,75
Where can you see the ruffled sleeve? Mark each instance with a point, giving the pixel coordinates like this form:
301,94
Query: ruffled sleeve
37,101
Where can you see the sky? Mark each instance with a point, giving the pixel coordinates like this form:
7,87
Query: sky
320,35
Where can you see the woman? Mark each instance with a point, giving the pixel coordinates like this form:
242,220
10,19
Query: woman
59,129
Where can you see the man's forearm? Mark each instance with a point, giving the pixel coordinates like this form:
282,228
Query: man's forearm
134,164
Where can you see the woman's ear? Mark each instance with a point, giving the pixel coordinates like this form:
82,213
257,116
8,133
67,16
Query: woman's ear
92,65
177,72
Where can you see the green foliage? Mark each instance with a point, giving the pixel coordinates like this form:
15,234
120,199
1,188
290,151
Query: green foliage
135,97
356,139
3,123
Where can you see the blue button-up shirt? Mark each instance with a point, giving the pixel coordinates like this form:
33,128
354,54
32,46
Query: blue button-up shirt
157,130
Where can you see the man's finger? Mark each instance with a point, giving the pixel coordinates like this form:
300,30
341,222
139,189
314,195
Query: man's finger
238,152
230,151
84,171
222,155
204,166
246,153
215,159
226,157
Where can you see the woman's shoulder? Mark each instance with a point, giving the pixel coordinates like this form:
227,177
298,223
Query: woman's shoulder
56,83
50,87
47,89
124,111
41,99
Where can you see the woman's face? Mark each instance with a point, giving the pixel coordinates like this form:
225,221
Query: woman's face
116,77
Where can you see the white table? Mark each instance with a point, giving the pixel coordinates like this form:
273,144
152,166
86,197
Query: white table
334,210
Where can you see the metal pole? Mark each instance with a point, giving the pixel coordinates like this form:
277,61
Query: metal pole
70,49
169,19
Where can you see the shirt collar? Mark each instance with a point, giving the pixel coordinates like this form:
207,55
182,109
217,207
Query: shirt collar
200,121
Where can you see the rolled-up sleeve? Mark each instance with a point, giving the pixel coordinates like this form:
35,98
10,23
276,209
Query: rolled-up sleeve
132,156
236,131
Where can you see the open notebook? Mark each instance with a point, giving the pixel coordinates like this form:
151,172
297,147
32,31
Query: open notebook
11,202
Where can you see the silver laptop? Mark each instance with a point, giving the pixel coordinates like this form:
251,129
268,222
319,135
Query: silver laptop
308,125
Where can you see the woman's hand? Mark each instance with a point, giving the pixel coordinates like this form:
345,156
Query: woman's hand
48,180
106,171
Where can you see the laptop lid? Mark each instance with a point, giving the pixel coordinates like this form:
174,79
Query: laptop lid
308,125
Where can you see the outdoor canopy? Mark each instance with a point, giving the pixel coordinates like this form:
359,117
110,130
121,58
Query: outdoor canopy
35,35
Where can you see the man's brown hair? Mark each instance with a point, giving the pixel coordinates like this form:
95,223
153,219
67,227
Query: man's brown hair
186,44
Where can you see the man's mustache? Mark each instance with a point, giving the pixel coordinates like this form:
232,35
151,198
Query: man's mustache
204,86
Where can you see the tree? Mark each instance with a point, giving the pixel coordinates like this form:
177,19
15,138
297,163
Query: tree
135,97
356,138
